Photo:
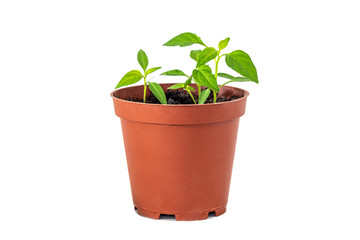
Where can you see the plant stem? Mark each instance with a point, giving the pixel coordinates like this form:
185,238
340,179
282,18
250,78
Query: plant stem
144,89
192,97
217,66
199,89
216,72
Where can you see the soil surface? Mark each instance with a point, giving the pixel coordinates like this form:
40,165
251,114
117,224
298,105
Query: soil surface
182,97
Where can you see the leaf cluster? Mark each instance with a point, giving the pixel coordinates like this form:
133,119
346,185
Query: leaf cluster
135,76
202,74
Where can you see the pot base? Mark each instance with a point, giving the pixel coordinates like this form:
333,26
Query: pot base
181,216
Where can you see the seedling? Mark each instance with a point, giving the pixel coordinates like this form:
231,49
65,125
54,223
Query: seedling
135,76
237,60
203,95
186,87
202,74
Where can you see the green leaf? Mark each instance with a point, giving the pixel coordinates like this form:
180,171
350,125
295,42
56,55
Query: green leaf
233,79
151,70
225,75
205,78
194,54
176,86
203,96
240,79
130,78
241,62
175,72
205,68
237,79
190,88
142,59
206,55
156,89
223,43
187,82
184,39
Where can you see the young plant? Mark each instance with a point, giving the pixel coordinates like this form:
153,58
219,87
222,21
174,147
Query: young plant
135,76
203,95
186,87
237,60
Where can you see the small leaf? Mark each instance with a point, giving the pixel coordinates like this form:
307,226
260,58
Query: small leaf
129,78
187,82
240,62
205,68
237,79
156,89
205,78
185,39
206,55
142,59
203,96
151,70
223,43
176,86
175,72
190,88
225,75
240,79
194,54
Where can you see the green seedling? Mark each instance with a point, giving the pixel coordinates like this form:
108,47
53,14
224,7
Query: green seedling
135,76
185,86
237,60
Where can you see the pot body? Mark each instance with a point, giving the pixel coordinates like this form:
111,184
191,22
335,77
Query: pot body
179,157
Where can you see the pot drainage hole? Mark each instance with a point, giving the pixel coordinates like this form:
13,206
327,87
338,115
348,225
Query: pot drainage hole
212,214
167,216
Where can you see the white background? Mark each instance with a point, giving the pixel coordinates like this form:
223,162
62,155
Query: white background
63,172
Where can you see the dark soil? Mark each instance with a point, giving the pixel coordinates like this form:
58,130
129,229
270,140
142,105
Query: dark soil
182,97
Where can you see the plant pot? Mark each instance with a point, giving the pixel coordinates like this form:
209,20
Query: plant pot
179,157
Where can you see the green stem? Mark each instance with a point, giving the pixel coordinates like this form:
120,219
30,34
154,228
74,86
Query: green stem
192,97
217,67
144,89
224,84
214,93
199,89
216,72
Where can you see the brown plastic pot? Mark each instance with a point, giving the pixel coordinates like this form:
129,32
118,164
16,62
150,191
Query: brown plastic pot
179,157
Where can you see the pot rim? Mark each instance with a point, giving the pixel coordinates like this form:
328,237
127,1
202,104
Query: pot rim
246,94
